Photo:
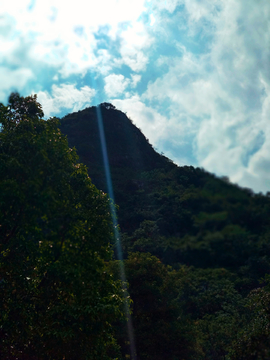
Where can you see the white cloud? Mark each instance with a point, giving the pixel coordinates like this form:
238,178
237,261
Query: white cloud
136,60
65,96
135,80
152,20
104,59
13,80
206,9
215,91
146,118
61,33
168,5
115,84
135,40
220,96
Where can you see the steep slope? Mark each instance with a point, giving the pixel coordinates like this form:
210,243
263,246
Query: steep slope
127,146
209,303
180,214
129,152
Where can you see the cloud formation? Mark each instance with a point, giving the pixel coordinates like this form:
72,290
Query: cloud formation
62,34
222,93
66,97
115,85
194,75
13,80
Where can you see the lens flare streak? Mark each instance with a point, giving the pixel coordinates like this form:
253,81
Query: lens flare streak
116,231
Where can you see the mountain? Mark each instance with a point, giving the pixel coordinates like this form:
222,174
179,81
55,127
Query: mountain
180,214
129,152
196,247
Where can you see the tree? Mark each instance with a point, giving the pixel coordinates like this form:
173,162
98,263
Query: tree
216,308
252,341
161,329
58,298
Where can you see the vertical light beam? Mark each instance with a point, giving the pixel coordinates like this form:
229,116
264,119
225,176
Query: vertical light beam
115,230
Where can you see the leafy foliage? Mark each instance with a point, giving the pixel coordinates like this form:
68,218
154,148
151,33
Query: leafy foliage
58,298
195,246
214,235
252,341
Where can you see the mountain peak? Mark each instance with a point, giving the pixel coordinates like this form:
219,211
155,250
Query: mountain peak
108,106
127,147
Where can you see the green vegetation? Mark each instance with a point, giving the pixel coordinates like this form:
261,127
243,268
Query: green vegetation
196,248
58,298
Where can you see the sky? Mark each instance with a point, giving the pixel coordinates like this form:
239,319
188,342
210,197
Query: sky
193,75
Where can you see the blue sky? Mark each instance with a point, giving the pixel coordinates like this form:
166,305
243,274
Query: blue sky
193,75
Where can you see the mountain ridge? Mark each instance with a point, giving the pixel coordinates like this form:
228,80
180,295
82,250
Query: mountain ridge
212,301
183,206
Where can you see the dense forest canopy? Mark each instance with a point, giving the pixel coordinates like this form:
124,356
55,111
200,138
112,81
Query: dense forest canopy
58,299
209,238
196,248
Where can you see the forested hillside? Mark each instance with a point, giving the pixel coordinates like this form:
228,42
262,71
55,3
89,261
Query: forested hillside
58,297
197,247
